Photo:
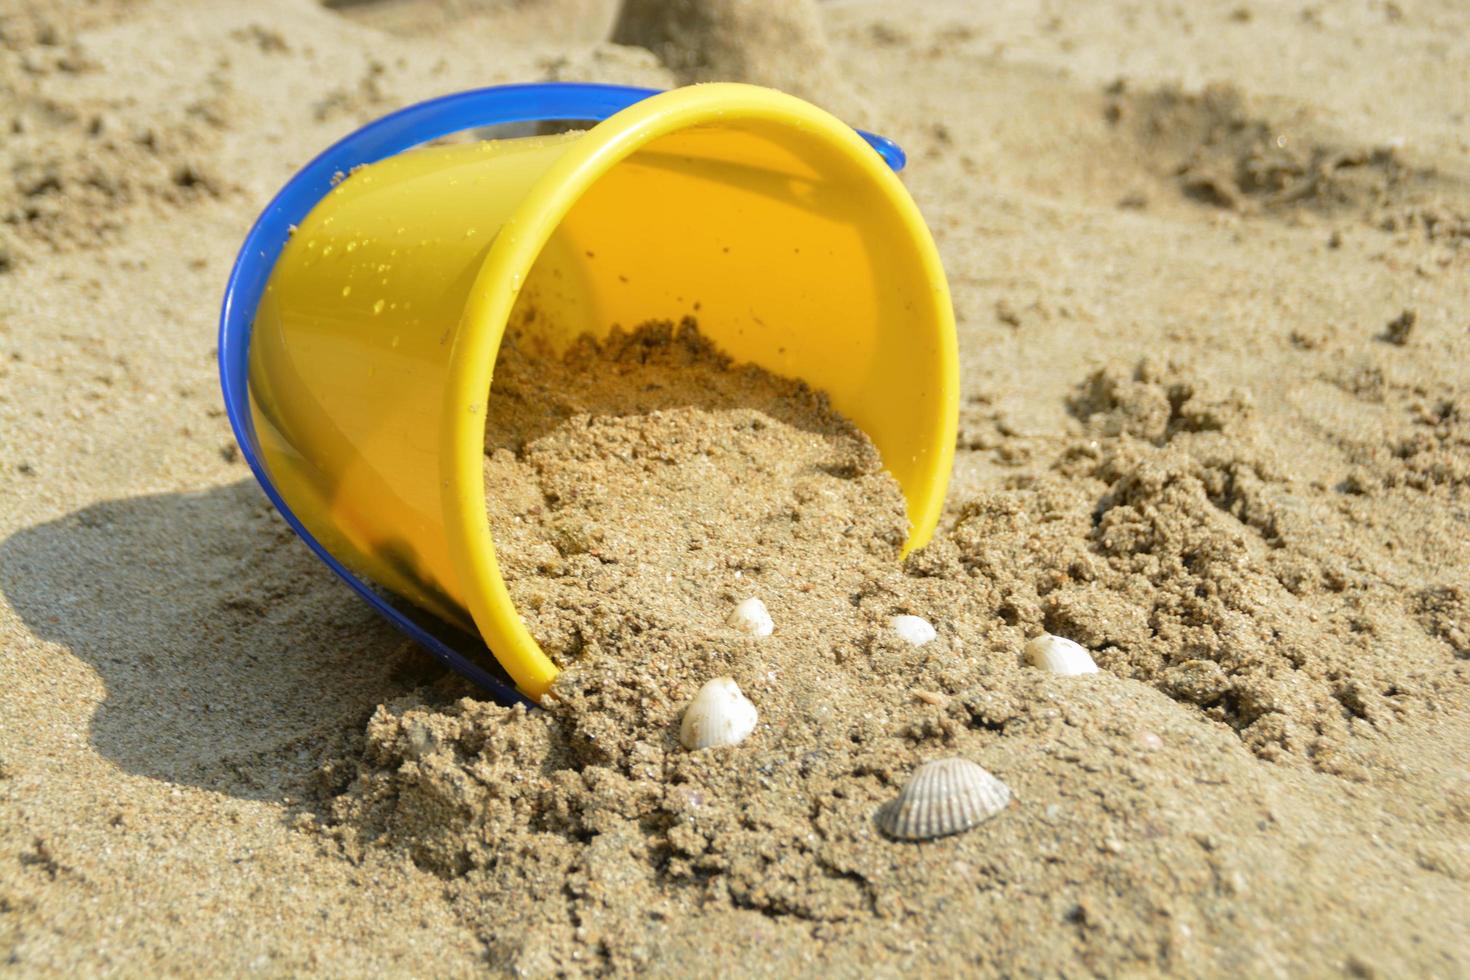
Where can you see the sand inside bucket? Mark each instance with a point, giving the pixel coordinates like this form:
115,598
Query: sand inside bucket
639,487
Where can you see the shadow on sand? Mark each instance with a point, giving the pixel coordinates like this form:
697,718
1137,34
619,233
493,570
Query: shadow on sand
232,658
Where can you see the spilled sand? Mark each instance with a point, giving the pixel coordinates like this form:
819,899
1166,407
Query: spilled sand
1210,274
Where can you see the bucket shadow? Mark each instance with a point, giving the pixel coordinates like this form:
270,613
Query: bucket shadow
233,660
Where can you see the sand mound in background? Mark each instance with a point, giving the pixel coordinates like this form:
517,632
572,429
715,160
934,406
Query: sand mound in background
1213,427
778,43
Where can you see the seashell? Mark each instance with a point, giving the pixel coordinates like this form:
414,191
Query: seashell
943,797
751,617
1059,655
1149,741
718,715
913,630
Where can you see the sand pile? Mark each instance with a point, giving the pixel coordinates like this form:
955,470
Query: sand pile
777,43
643,486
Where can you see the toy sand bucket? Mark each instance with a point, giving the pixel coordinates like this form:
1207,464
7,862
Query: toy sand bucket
362,320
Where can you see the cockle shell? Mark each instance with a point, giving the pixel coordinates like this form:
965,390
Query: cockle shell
751,617
718,715
913,630
943,797
1059,655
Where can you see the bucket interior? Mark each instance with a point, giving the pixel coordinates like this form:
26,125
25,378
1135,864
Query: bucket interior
788,253
374,340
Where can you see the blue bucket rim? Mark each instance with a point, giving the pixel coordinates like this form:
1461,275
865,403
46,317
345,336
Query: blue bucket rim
401,130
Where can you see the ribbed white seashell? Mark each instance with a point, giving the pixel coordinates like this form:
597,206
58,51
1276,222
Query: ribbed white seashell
1059,655
751,617
718,715
943,797
913,629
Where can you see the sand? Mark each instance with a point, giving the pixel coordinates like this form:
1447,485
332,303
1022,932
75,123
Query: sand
1209,267
642,486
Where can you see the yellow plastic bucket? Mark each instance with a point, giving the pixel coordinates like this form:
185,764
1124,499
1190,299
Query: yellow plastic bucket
373,345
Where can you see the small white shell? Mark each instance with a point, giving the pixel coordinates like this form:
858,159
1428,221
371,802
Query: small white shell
943,797
751,617
1059,655
718,715
913,630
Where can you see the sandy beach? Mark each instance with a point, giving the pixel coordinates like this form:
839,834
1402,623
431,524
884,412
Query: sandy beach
1210,266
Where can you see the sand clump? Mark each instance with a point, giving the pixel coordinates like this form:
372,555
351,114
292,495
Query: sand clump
1225,150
